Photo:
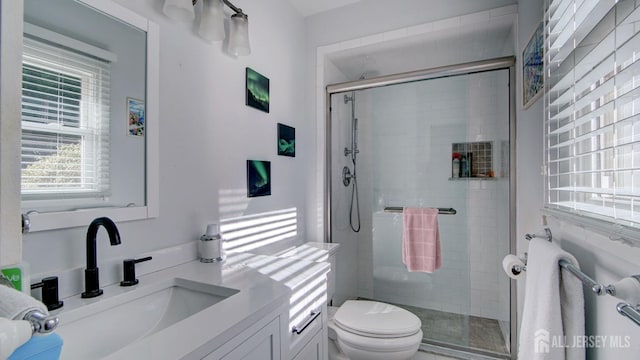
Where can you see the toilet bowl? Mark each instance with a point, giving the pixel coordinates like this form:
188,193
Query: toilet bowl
371,330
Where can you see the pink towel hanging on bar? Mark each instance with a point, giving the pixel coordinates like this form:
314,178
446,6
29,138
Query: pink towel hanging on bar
421,240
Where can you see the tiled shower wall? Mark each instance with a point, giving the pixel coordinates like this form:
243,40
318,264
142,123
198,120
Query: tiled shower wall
413,127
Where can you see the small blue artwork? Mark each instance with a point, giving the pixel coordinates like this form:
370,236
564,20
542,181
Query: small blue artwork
136,117
533,67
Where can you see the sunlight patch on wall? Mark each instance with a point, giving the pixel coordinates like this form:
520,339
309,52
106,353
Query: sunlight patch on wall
250,232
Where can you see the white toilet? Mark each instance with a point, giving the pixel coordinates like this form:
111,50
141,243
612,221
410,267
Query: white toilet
368,330
371,330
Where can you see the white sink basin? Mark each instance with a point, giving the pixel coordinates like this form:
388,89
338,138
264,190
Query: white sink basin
99,329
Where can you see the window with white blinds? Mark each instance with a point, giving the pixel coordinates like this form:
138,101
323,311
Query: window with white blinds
65,123
592,108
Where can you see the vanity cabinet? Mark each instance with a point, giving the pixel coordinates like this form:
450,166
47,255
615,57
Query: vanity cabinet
259,342
309,345
314,349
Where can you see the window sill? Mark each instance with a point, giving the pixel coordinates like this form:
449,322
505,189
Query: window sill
83,217
615,232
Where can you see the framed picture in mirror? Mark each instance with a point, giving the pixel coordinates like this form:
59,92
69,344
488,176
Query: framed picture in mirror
135,117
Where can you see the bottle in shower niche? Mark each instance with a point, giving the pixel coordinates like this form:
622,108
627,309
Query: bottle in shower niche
469,164
463,166
455,165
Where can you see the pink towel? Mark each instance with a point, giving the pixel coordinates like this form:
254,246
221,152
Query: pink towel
421,240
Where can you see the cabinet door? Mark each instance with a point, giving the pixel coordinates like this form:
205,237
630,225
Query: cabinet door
261,345
298,341
313,349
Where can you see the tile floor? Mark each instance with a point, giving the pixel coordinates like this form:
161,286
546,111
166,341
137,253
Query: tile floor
457,331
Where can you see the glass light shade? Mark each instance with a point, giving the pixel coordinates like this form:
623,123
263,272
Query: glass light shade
212,20
239,35
179,10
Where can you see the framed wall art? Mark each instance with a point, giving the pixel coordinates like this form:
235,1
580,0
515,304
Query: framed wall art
286,140
258,178
257,87
533,67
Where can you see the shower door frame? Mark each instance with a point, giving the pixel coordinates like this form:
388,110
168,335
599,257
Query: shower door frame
502,63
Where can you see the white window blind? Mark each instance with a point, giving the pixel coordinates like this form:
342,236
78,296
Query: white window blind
592,108
65,123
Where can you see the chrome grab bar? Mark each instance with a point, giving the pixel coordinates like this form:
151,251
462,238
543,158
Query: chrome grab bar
441,211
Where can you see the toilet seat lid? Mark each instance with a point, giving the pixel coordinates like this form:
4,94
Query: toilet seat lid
376,319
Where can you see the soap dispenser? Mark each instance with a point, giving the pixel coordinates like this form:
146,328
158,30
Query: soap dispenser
210,245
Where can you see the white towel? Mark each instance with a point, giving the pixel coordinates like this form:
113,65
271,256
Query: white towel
553,315
14,305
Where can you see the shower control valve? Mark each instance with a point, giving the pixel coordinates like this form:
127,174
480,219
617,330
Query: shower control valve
346,176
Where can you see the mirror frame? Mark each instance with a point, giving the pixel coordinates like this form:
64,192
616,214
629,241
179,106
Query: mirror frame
82,217
11,19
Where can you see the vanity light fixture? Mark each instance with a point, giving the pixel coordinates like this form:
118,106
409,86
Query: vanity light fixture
211,26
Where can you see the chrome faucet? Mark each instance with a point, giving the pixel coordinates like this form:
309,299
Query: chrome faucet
91,278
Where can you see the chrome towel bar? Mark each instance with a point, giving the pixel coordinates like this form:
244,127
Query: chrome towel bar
441,211
631,311
597,288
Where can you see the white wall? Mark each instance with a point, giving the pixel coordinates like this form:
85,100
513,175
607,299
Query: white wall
206,135
529,126
376,16
603,259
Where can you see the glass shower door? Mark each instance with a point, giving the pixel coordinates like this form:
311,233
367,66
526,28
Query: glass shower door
413,139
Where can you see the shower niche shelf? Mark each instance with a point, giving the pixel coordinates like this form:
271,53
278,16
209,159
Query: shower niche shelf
472,161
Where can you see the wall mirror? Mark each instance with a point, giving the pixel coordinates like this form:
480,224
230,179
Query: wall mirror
89,113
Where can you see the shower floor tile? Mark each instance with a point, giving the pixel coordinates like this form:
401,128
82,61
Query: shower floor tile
460,331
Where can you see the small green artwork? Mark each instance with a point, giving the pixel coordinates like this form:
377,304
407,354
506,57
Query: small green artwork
257,90
258,178
286,140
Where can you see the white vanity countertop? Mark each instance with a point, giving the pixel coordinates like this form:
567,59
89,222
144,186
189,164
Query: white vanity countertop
264,284
311,251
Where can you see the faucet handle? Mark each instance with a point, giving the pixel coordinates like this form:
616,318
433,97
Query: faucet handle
49,287
129,270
